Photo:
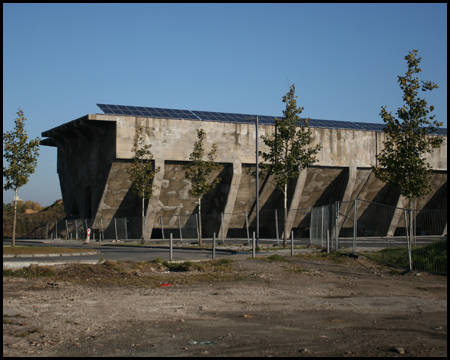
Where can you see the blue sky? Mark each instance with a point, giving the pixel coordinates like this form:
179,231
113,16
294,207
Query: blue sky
59,60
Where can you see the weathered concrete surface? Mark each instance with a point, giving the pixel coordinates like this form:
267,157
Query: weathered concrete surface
93,153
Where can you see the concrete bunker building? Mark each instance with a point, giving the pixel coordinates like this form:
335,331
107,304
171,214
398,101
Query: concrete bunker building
94,151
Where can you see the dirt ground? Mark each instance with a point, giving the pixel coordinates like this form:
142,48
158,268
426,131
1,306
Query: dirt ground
304,306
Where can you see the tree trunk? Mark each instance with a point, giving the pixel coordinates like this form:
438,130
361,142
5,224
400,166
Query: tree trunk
285,217
14,221
143,223
199,221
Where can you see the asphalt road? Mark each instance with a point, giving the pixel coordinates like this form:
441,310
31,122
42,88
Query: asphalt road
118,252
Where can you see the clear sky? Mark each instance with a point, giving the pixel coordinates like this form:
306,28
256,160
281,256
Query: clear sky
59,60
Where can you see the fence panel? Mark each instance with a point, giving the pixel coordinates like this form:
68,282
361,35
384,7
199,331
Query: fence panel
372,229
378,220
323,221
430,222
182,227
270,224
420,246
301,225
57,230
237,226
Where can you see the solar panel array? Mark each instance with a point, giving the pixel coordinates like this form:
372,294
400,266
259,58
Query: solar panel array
142,111
198,115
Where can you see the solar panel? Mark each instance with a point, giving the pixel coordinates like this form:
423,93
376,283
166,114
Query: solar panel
370,126
142,111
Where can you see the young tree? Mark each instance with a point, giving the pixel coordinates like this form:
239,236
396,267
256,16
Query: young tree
199,171
141,172
290,151
409,137
21,156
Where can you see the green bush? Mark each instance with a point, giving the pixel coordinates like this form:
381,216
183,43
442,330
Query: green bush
431,258
275,257
31,271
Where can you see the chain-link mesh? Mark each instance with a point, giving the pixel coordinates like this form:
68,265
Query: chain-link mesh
322,230
382,232
237,226
182,227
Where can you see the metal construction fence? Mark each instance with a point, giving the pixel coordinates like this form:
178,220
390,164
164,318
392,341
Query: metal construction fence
73,230
405,238
411,239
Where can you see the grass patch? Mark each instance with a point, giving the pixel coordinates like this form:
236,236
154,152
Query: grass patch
296,270
27,333
431,257
19,250
221,262
275,257
335,256
32,271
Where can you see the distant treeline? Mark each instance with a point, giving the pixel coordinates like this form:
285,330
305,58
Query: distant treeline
32,214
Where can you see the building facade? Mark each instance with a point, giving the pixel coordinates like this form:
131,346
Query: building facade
94,151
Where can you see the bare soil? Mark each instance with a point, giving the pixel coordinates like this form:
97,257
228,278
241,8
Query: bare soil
306,306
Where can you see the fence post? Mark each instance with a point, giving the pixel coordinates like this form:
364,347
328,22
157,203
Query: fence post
328,241
126,229
145,230
115,227
102,234
310,225
162,227
179,225
246,224
221,225
253,245
355,224
292,243
196,226
67,232
46,236
276,225
56,229
170,248
408,238
336,226
321,227
214,246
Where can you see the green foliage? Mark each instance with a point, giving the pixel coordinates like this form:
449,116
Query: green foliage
199,170
289,151
28,223
141,169
431,258
32,271
409,137
275,257
199,173
20,154
222,261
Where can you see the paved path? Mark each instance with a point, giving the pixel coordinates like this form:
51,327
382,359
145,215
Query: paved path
110,252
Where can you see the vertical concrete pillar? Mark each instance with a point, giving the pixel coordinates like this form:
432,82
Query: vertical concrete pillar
296,200
232,195
153,202
396,220
347,197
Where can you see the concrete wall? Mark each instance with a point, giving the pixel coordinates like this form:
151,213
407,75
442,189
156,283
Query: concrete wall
93,153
